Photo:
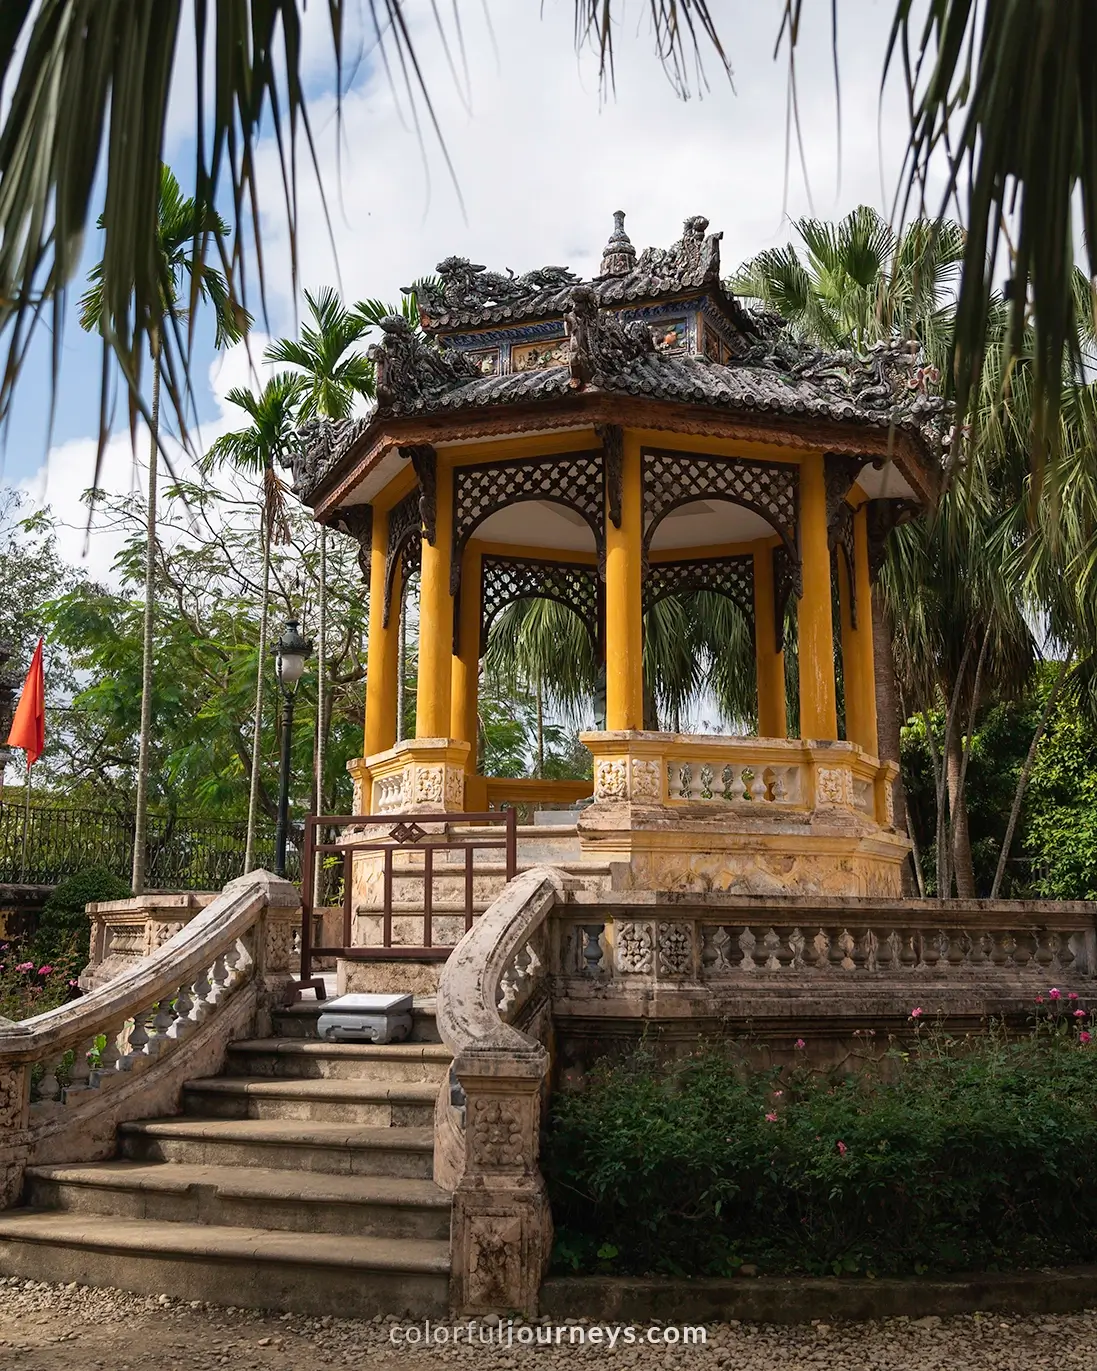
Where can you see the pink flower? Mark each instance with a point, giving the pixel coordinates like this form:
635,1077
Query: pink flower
1073,995
777,1094
915,1013
1039,999
771,1118
1083,1037
1079,1013
1054,994
45,970
800,1044
25,966
73,984
842,1149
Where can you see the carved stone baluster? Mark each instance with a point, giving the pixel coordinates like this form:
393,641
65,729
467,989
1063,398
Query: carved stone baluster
747,943
772,944
110,1058
49,1087
797,943
909,955
1055,947
508,992
1044,956
234,958
162,1021
707,778
592,948
959,949
674,781
714,951
1004,949
139,1037
80,1070
184,1008
685,781
778,791
1070,950
981,946
758,786
820,947
727,775
868,951
841,953
202,990
219,975
1023,952
738,787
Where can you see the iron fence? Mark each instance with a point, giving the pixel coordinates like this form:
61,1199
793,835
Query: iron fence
181,853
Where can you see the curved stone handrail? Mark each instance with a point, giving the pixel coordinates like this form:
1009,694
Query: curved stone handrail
502,1227
468,1013
124,1049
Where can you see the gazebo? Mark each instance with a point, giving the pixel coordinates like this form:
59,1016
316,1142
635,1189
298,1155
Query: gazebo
605,444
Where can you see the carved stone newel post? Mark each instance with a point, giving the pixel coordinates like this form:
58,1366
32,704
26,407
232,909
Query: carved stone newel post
502,1227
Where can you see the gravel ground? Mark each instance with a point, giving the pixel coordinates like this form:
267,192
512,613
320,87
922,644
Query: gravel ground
70,1328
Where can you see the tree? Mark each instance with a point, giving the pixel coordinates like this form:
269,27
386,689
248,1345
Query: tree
181,221
333,378
257,449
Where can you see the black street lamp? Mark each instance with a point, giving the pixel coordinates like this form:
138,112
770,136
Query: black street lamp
291,651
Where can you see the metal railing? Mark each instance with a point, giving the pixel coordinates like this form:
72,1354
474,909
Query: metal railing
181,853
388,835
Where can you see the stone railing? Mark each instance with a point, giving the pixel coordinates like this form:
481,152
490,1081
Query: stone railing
493,1010
125,931
123,1051
675,769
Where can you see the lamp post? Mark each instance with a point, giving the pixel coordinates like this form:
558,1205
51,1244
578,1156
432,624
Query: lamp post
291,651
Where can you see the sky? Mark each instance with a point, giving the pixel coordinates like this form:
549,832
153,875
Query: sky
540,158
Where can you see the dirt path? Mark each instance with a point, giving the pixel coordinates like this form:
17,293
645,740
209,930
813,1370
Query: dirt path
66,1328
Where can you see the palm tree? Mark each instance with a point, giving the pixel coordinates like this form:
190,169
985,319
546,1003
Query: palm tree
181,223
266,442
80,79
334,376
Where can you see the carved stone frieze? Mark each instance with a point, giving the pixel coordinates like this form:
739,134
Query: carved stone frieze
278,944
833,786
494,1261
498,1133
634,948
575,585
611,779
13,1098
675,949
647,780
429,784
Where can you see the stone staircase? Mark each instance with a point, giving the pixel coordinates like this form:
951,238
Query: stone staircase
299,1179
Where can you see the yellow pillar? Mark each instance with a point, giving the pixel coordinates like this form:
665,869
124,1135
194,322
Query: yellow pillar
384,643
466,664
432,694
624,608
818,707
858,668
770,664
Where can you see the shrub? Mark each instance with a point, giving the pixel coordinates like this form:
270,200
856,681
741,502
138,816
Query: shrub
30,986
63,929
967,1155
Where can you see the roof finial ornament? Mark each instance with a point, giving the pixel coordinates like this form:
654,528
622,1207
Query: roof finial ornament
618,256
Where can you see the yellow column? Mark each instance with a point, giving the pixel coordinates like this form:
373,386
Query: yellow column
436,620
624,609
381,662
466,664
770,664
818,708
858,668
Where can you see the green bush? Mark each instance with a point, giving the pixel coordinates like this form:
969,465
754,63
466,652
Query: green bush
63,928
955,1156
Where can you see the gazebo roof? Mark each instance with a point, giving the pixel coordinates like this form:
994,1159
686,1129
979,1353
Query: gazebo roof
606,347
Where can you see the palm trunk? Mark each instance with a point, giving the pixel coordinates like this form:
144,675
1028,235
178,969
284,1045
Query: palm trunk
257,726
321,696
889,718
540,734
1026,772
960,845
141,816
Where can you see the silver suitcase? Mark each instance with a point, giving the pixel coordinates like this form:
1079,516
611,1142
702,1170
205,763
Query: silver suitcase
366,1018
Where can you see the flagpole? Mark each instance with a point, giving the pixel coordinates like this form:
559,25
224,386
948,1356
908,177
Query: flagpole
26,822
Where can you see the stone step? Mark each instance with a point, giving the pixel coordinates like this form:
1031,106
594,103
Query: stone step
379,1104
338,1149
245,1197
299,1021
306,1059
312,1273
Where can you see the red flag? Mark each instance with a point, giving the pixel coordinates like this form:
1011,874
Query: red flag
28,728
